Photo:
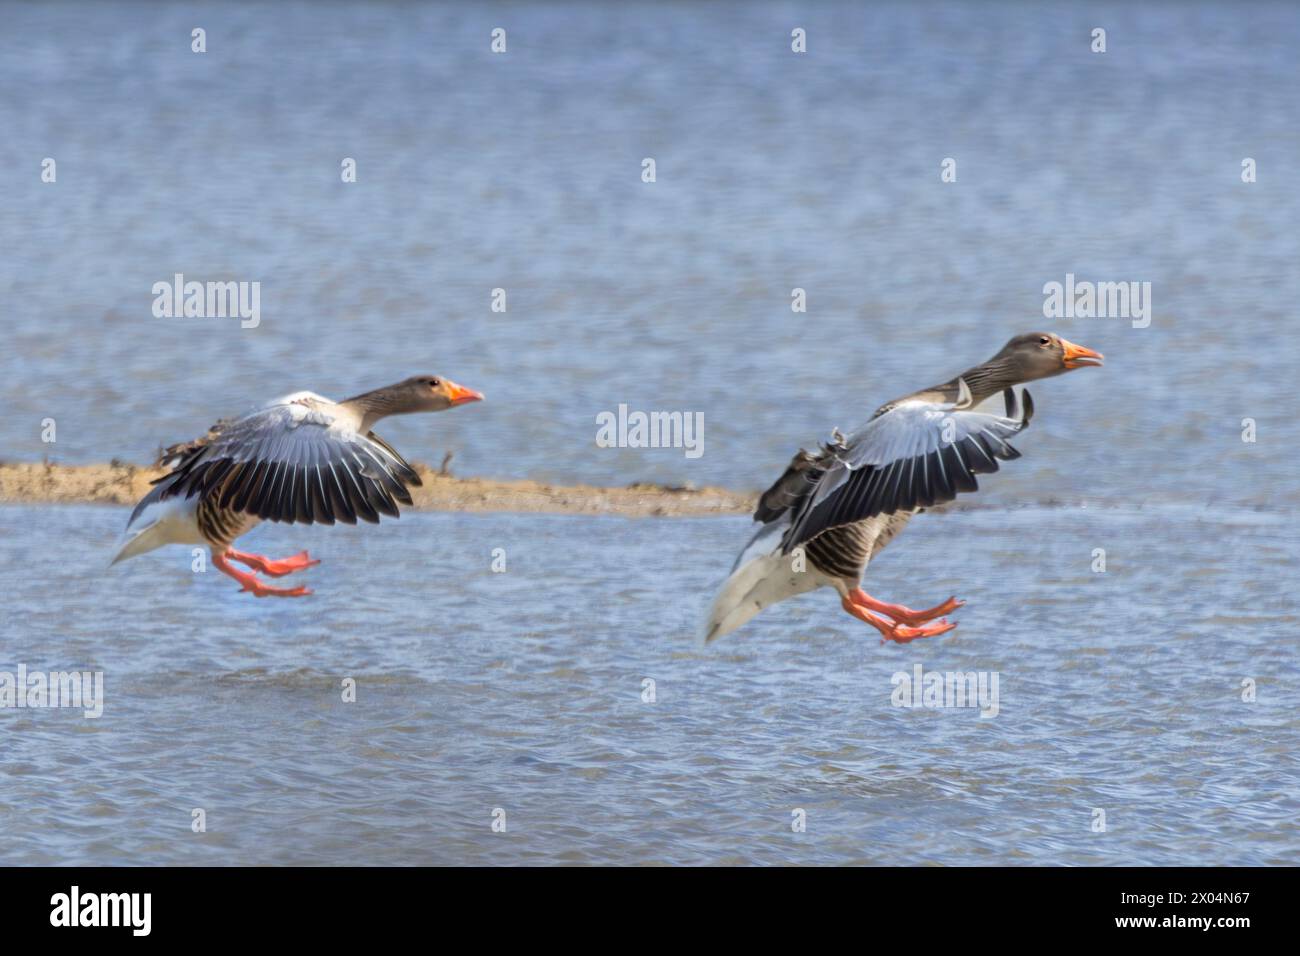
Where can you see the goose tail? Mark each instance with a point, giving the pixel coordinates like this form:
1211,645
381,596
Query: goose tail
154,523
761,577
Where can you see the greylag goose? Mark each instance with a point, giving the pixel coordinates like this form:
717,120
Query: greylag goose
300,458
833,510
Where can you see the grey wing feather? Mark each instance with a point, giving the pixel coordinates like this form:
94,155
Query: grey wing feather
291,463
914,455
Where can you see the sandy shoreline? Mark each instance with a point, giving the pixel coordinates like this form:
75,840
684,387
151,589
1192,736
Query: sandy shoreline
122,484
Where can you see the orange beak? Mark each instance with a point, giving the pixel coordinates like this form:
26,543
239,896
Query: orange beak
459,394
1077,356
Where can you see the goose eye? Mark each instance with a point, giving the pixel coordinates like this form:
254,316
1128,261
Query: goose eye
1044,341
434,383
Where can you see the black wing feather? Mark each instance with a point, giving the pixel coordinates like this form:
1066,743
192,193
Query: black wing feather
903,484
281,466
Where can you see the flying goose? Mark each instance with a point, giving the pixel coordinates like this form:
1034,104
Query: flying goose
833,510
300,458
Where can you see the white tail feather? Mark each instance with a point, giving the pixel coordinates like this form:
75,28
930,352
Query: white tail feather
161,523
761,578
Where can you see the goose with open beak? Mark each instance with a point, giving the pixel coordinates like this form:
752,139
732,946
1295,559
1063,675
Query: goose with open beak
834,509
299,459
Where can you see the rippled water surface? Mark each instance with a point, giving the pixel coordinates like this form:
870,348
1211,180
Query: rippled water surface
523,691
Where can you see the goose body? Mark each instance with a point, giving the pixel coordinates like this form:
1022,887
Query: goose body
832,510
301,458
160,519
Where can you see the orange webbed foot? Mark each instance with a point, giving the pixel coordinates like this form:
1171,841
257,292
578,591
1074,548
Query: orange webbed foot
276,568
902,630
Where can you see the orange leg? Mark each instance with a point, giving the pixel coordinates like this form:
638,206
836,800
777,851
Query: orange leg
276,569
891,631
900,613
251,582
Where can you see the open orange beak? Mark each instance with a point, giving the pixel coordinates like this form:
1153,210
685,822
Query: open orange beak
1077,356
459,394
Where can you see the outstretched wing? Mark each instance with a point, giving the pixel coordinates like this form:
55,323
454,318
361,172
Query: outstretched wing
914,454
294,462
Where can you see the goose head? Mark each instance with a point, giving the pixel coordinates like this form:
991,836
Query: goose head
419,393
431,393
1036,355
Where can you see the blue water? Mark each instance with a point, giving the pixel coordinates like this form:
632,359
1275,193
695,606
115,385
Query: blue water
522,691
